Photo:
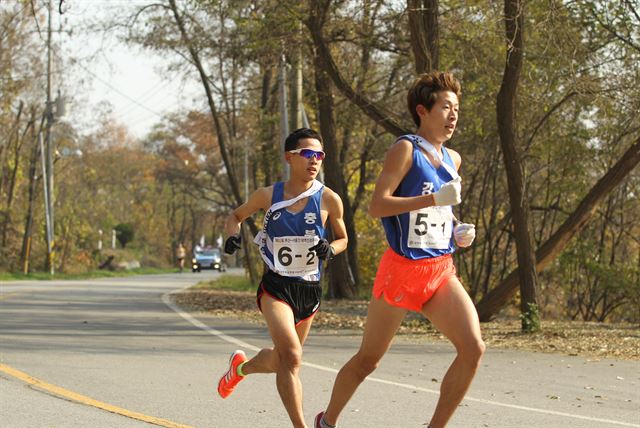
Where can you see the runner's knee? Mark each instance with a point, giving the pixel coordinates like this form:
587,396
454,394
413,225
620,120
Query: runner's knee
291,358
365,365
472,352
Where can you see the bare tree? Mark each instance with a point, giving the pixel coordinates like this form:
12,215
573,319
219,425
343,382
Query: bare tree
341,283
495,300
520,210
423,26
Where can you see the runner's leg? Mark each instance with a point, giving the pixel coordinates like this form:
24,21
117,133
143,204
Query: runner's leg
452,312
382,323
279,317
266,360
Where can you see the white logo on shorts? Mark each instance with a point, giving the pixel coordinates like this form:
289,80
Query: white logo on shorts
398,297
276,215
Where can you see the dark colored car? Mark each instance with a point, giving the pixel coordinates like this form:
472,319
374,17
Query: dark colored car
209,258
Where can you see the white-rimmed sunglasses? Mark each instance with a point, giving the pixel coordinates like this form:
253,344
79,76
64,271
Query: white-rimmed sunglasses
308,153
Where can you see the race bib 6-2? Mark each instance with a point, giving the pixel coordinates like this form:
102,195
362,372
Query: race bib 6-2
430,228
292,256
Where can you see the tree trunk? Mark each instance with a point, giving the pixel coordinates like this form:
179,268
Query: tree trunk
495,300
370,108
423,26
11,185
520,212
341,282
268,129
235,190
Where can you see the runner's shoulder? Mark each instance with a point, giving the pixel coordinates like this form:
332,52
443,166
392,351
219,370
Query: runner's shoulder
263,196
400,150
331,198
399,158
455,157
402,144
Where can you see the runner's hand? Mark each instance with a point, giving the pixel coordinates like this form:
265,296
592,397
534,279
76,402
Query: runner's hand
323,250
449,194
232,244
464,234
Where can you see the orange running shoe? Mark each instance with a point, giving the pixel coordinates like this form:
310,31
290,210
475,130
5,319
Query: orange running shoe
231,378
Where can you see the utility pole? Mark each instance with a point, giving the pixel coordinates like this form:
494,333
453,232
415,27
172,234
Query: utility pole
246,169
47,217
299,107
284,119
301,119
33,165
49,157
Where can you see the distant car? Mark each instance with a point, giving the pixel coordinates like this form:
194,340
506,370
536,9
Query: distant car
209,258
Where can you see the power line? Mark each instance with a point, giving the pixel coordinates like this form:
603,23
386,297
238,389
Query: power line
147,95
122,94
154,113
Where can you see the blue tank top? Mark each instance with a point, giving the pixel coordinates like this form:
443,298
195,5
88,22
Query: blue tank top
290,235
424,233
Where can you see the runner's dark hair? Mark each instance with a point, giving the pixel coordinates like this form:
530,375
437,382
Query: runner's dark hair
293,140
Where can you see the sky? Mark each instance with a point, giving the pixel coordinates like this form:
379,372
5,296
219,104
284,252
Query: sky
133,81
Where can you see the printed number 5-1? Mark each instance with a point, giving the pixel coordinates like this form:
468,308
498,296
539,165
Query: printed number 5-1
421,220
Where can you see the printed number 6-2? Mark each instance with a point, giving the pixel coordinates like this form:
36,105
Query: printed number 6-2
284,256
311,256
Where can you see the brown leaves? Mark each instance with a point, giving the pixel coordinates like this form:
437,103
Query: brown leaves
591,339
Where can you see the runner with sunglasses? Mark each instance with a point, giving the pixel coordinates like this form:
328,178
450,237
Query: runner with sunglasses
413,196
293,246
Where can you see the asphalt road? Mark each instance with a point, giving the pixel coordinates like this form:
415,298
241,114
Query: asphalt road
117,353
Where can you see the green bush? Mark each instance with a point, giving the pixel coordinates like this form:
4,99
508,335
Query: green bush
124,233
531,319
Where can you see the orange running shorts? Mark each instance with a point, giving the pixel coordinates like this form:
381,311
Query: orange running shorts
408,283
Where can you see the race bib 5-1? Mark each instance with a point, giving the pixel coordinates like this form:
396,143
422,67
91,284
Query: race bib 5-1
430,228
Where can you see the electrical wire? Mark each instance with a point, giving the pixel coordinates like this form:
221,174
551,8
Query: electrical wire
122,94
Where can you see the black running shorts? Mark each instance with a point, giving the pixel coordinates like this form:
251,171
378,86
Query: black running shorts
303,297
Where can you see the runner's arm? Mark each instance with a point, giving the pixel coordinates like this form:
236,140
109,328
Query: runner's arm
396,165
259,200
335,211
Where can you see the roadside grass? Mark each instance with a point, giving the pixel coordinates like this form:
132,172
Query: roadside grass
231,282
226,282
45,276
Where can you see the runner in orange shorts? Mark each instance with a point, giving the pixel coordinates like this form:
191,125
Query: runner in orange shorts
414,195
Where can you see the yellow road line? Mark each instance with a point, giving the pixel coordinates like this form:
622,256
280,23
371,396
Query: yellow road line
70,395
7,295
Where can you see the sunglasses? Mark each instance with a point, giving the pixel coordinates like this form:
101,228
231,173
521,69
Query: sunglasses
308,153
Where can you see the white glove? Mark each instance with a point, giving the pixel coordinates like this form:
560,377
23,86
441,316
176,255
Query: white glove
464,234
449,194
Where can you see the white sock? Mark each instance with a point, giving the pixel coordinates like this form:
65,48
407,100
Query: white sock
323,424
